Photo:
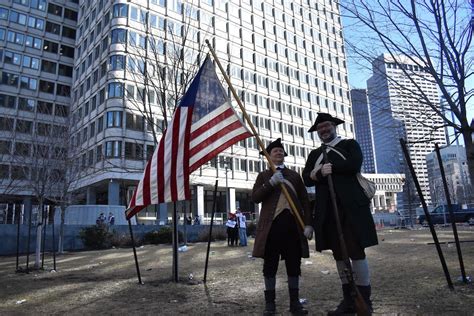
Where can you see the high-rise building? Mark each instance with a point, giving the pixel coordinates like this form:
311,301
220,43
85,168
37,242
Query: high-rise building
456,172
363,128
37,40
398,112
286,59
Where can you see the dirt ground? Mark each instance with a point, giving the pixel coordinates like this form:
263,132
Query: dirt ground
407,279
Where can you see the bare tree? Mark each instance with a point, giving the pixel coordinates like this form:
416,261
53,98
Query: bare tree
434,35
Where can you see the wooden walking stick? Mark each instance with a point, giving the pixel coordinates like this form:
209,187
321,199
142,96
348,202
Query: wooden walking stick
293,210
359,302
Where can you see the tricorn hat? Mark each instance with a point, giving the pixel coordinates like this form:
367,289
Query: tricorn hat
274,144
324,117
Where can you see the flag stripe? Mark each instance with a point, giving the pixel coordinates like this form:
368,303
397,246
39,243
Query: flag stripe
187,136
161,166
217,150
174,153
215,137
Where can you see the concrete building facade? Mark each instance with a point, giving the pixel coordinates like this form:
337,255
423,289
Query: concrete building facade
37,51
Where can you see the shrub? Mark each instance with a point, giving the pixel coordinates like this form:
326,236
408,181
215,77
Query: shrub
251,229
218,233
121,240
95,237
162,236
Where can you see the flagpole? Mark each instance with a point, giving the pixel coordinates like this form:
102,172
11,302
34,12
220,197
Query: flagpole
210,231
175,243
134,252
259,141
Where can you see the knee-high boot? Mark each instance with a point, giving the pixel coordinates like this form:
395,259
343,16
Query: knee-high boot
270,307
346,306
296,308
366,292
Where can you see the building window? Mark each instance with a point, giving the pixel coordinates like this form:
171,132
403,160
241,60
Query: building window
45,107
48,66
30,62
70,14
133,151
113,149
67,51
115,90
114,119
65,70
120,10
63,90
118,36
46,86
55,9
5,146
12,58
50,47
7,101
17,17
53,28
28,83
62,110
10,79
135,122
23,126
117,62
69,32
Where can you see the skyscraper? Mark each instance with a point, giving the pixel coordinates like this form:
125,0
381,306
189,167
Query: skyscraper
285,58
398,111
363,128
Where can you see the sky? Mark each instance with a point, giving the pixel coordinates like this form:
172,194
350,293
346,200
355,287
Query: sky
358,74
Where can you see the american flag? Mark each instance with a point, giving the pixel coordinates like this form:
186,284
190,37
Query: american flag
203,125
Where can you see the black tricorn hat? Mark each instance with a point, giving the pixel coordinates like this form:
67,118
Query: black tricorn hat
274,144
324,117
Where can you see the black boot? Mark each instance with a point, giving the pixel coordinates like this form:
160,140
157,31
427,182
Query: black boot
366,291
346,306
295,306
270,307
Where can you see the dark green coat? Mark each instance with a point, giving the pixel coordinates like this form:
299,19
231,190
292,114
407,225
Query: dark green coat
351,200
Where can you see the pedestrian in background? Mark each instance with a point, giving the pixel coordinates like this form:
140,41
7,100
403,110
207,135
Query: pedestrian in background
241,222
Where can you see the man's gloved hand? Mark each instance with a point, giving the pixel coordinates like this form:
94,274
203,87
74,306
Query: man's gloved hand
326,169
308,232
277,178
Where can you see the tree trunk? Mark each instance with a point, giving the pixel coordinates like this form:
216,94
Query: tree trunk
467,136
39,235
61,230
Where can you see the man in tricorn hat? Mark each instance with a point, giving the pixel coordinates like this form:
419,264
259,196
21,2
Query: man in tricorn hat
345,161
278,233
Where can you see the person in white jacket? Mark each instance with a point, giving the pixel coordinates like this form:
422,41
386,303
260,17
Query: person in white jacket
241,219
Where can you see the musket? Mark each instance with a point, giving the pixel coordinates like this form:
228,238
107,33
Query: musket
359,302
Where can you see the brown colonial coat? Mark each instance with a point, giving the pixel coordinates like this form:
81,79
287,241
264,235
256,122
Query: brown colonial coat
264,193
